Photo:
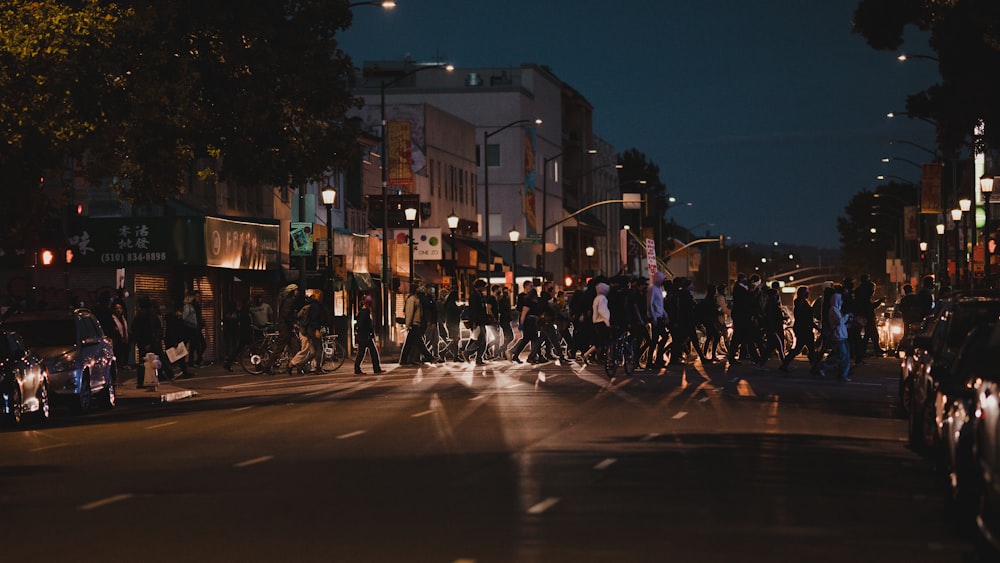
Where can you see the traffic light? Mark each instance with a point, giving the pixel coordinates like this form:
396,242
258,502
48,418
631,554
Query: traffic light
46,257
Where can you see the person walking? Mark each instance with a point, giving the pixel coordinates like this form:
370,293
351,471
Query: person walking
601,318
453,322
840,359
658,321
262,313
194,323
366,338
237,329
414,350
742,315
708,317
176,333
478,320
309,321
804,328
772,326
527,311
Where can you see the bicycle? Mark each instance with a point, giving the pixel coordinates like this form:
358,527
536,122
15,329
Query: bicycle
621,353
334,352
254,357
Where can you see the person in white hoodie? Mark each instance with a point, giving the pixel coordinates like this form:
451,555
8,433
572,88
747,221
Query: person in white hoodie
837,321
602,320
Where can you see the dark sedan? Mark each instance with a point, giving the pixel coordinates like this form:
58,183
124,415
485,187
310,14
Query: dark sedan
79,358
24,383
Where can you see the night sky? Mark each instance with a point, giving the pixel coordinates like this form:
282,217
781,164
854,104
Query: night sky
767,115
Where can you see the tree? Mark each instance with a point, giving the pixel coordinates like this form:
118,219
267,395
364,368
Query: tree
150,91
863,251
965,35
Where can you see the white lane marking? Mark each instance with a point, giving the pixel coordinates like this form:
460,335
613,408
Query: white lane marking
649,437
351,434
161,425
704,399
424,413
543,506
513,385
479,397
254,461
242,409
679,415
48,447
606,463
102,502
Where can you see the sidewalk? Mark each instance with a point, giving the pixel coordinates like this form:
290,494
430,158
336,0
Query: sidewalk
165,392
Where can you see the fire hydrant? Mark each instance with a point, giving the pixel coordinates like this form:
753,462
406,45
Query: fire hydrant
151,366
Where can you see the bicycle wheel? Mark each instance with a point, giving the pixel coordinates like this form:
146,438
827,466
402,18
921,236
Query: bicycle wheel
333,355
252,360
611,360
628,357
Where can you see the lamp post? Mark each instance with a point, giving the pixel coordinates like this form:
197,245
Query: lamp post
386,273
545,208
486,185
411,218
514,236
453,226
939,229
965,204
590,257
986,186
956,218
329,198
923,255
387,4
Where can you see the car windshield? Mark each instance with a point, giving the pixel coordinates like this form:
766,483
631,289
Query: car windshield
42,333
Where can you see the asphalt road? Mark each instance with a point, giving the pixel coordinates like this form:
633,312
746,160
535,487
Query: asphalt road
503,463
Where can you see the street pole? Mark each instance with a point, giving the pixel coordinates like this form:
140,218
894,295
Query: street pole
986,187
329,198
411,218
545,208
486,186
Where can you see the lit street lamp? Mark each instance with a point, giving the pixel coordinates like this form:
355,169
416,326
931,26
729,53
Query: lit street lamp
514,236
486,185
329,198
941,248
590,257
453,226
965,204
387,4
411,218
956,218
986,186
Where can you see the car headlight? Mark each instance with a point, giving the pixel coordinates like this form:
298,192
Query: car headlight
896,330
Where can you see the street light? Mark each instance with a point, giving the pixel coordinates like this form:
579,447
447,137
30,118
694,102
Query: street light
386,274
889,159
329,198
941,249
590,257
486,185
986,186
956,217
411,218
387,4
453,226
514,236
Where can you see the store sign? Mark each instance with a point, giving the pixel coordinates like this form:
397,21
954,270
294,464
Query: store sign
427,243
301,243
137,241
241,245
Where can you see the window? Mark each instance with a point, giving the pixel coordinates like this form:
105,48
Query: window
493,155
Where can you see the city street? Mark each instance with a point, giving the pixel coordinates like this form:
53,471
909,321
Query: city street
500,463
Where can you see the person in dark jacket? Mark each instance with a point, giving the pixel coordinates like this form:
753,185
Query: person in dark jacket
366,338
237,328
176,333
289,302
478,320
453,322
804,327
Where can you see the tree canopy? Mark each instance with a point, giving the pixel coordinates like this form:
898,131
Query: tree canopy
149,90
965,39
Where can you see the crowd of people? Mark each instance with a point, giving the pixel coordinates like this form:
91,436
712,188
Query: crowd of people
668,323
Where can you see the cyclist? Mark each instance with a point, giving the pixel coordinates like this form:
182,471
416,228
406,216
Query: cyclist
290,301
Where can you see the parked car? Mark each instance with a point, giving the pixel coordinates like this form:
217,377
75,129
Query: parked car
986,442
956,427
79,358
935,351
24,383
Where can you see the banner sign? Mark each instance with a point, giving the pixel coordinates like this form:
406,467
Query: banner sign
400,148
651,256
241,245
428,244
930,189
301,239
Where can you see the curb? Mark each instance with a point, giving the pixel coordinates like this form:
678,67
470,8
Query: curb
177,395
